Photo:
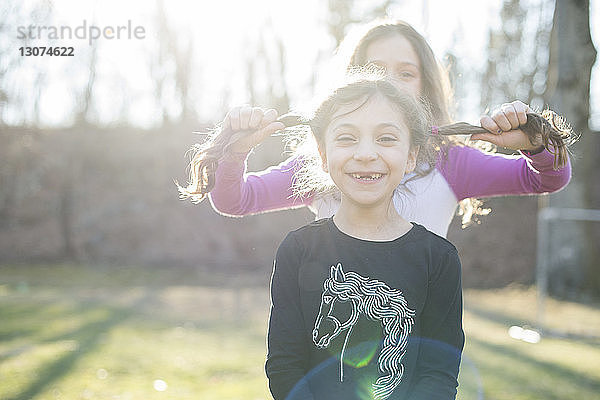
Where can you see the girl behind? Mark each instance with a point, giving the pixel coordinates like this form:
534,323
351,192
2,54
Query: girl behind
365,304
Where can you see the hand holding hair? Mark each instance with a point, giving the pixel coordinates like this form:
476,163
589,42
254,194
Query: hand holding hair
246,127
242,129
547,129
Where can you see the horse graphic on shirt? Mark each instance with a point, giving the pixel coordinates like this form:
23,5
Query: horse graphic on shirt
378,302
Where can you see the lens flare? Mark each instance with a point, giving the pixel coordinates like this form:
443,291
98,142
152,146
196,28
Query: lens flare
160,385
361,355
362,372
526,335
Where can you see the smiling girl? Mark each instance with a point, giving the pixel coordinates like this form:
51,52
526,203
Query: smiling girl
366,304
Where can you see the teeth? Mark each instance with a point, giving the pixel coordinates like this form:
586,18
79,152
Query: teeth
368,177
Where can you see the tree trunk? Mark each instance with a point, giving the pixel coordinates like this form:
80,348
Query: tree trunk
66,220
572,55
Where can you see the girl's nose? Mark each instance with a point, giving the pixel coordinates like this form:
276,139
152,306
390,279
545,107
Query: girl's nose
365,152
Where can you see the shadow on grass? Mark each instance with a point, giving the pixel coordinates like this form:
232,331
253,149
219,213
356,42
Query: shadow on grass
38,315
495,316
517,366
88,337
508,320
26,326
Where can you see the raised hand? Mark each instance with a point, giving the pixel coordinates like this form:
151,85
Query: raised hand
503,124
250,126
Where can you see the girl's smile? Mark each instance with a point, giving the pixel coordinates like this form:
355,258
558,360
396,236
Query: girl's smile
367,177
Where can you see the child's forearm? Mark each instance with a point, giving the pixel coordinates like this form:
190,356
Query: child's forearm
473,173
550,180
236,193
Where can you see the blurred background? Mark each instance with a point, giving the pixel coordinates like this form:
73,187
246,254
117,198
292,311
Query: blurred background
100,262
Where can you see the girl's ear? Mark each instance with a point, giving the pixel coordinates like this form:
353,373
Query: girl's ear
411,162
323,160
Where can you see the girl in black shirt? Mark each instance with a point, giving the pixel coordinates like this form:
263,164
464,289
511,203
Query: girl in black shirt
366,305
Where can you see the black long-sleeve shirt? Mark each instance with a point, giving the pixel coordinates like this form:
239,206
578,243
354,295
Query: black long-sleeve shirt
357,319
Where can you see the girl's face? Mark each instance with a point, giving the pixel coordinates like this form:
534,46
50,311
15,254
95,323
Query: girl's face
396,55
367,151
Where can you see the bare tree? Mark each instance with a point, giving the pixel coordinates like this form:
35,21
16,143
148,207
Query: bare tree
85,97
343,13
266,67
16,150
517,59
172,64
11,12
338,18
572,55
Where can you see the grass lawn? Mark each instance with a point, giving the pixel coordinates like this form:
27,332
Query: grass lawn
72,332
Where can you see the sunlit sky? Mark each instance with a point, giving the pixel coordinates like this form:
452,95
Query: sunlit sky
223,35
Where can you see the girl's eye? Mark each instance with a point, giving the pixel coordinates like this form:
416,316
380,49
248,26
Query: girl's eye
345,138
405,75
388,139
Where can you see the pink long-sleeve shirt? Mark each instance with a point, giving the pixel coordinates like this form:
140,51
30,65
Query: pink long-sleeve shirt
431,201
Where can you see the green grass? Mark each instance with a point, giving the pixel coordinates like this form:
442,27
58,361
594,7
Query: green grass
73,332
